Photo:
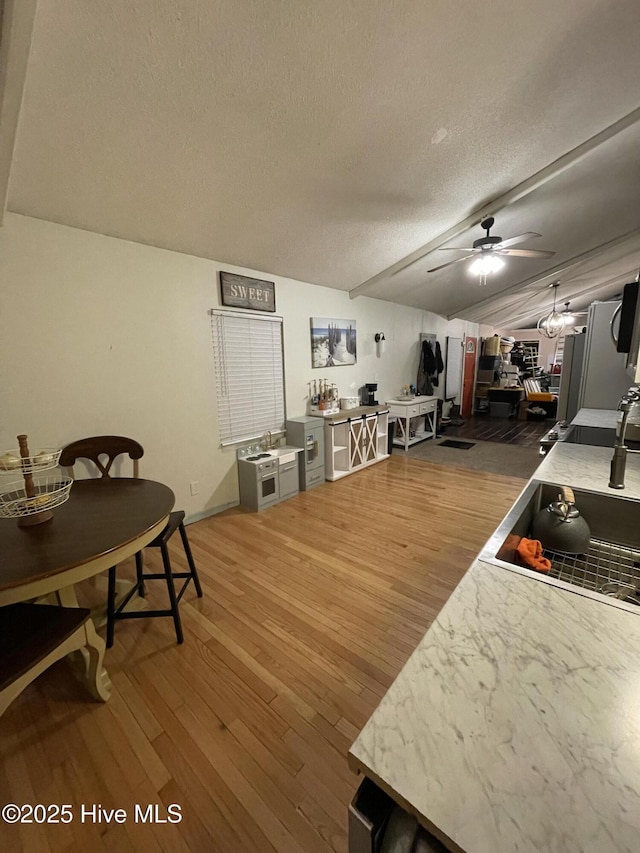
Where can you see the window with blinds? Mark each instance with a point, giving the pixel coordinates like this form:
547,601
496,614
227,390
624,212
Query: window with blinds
249,374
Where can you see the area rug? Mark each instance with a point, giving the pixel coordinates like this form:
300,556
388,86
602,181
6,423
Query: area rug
507,459
458,445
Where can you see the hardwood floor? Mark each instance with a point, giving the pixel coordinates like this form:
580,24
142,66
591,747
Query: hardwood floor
310,610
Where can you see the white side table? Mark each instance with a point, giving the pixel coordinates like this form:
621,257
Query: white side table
416,419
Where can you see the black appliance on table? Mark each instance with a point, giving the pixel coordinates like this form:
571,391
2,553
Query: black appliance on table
368,394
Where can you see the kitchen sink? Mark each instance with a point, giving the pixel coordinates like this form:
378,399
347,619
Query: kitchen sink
609,571
283,454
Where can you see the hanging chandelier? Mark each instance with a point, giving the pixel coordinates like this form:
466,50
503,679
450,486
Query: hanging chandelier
551,325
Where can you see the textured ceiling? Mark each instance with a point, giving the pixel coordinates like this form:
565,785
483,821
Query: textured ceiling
326,141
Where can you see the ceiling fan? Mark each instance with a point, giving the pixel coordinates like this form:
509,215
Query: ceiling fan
488,250
571,316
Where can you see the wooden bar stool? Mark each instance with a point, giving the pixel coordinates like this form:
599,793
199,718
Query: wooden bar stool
34,636
95,449
175,522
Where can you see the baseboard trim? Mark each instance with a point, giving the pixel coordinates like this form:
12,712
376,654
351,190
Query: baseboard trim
200,516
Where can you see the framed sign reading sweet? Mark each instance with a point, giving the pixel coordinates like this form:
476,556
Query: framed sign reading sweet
240,291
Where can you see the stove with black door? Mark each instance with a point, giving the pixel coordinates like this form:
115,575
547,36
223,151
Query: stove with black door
258,478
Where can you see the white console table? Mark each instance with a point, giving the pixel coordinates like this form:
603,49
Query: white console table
416,419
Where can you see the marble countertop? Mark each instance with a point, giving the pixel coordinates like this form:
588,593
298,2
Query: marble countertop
515,724
588,468
606,418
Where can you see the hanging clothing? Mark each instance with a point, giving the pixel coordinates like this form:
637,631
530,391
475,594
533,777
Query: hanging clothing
439,365
428,358
426,368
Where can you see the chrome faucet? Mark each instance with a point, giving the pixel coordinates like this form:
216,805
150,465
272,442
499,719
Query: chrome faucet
627,404
267,441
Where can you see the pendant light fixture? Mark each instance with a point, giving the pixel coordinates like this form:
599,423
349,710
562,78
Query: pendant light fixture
551,325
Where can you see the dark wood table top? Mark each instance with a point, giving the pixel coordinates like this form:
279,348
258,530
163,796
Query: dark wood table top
99,517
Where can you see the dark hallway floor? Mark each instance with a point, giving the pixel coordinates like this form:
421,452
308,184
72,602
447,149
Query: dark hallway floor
503,430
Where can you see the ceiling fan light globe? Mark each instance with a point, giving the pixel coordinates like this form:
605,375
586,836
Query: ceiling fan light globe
486,264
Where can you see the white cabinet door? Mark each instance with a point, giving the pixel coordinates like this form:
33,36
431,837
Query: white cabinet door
370,444
356,443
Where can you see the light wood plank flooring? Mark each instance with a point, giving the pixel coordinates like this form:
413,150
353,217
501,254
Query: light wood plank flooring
310,610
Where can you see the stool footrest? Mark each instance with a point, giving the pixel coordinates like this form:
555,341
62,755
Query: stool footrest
144,614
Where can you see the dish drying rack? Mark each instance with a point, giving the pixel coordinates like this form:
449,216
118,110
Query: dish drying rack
32,499
607,568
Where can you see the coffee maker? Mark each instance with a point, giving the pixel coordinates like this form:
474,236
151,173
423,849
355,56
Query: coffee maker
369,394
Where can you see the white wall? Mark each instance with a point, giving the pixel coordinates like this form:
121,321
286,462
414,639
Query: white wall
104,336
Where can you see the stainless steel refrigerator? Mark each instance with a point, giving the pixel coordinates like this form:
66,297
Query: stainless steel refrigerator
594,375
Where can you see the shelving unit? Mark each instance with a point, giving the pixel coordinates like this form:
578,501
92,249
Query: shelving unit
530,362
416,420
382,433
354,440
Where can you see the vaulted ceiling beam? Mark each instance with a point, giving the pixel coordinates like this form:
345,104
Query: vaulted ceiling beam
558,271
16,29
519,191
596,289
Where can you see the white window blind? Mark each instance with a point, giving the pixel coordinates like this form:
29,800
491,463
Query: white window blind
249,374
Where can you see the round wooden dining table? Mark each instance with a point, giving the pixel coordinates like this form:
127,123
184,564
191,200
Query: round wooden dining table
104,522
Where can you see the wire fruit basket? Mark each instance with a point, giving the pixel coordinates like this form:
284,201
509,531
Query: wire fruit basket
12,462
49,492
31,499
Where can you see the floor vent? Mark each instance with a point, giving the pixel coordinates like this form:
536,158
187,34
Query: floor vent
459,445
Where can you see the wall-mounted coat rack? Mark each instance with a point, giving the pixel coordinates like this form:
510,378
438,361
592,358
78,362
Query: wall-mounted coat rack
427,336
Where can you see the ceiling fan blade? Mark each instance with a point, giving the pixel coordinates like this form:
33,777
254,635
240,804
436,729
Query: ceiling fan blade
513,241
449,263
457,249
525,253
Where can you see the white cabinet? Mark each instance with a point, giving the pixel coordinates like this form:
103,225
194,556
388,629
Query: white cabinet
415,419
355,439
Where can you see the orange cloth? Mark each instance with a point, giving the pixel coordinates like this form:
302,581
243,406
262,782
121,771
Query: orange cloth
530,553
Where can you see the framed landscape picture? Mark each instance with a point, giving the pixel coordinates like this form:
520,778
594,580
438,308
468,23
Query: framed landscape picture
333,342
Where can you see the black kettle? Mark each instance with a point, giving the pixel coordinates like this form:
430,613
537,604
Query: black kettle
560,527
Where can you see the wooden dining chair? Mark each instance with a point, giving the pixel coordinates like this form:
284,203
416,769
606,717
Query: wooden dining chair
34,636
96,449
